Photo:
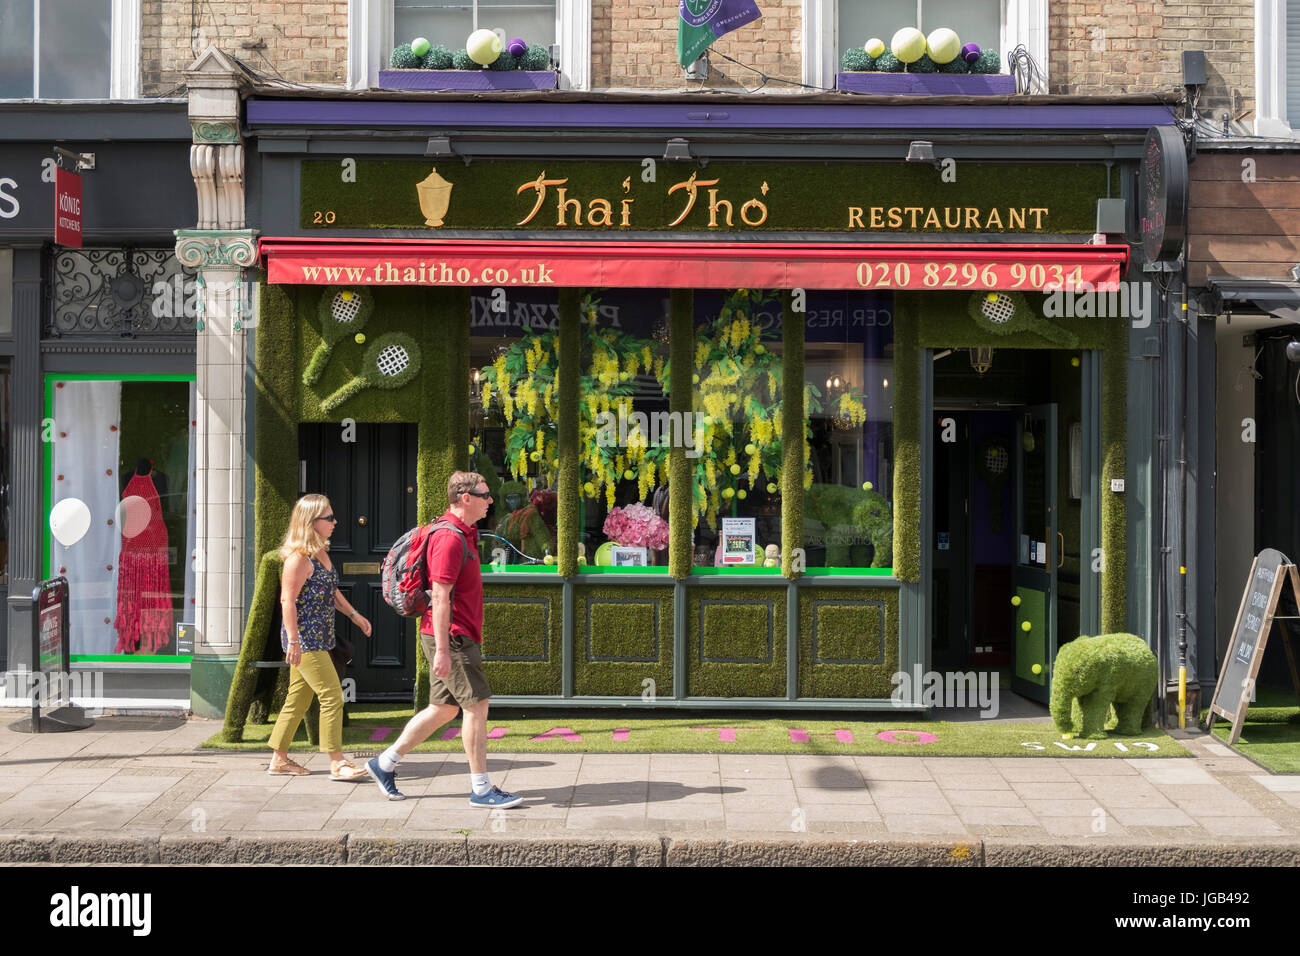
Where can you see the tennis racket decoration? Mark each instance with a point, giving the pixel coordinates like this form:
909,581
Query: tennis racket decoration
993,464
1003,313
391,361
342,312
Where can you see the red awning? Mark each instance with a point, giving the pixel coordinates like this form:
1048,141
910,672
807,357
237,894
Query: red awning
693,265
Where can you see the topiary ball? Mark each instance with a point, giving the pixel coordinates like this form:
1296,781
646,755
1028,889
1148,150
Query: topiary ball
438,58
404,58
505,62
460,61
874,47
954,66
943,45
537,58
856,61
420,46
924,65
888,63
988,62
517,47
908,44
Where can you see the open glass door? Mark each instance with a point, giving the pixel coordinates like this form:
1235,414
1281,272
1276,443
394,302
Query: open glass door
1038,552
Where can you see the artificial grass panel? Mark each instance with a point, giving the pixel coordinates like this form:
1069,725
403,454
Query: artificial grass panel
255,646
736,642
1114,510
681,397
797,196
275,439
567,445
848,642
374,727
524,622
907,439
624,637
1270,737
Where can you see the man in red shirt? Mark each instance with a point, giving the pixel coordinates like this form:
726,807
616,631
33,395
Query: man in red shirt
451,633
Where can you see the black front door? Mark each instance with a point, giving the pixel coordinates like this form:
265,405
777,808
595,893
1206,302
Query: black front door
368,473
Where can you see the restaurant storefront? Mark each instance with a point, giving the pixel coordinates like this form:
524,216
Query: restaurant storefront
609,337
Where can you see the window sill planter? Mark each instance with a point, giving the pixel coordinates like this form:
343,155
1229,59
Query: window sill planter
927,84
472,80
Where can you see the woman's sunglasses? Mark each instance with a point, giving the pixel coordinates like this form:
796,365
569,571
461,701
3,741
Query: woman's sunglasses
327,518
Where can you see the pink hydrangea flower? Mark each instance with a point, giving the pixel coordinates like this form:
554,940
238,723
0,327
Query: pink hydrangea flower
636,526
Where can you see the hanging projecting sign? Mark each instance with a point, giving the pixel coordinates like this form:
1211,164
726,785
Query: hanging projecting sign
67,208
1162,199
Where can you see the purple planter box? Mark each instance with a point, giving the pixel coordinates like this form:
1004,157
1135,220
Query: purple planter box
467,79
927,84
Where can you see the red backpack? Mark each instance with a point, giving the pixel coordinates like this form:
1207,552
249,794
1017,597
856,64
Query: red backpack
405,573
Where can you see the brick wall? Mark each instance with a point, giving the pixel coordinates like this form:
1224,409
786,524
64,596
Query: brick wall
634,44
1105,46
306,42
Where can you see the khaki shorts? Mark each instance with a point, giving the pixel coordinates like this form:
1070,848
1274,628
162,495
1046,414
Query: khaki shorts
466,685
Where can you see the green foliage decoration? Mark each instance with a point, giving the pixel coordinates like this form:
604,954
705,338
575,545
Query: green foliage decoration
924,65
955,65
438,58
504,62
793,461
569,432
988,62
460,60
261,614
537,58
1093,674
680,400
403,58
888,63
857,60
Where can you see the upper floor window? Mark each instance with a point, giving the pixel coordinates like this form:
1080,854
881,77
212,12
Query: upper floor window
975,21
450,22
69,49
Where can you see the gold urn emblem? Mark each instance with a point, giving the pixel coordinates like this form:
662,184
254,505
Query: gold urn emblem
435,197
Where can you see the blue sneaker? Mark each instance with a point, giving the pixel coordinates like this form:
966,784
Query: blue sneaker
496,797
384,779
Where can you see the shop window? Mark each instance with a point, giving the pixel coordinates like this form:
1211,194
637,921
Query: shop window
738,382
975,21
69,49
450,22
121,509
514,424
848,380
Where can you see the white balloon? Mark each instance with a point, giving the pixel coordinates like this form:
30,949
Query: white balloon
132,515
69,521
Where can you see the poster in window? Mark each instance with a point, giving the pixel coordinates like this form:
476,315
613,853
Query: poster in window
737,541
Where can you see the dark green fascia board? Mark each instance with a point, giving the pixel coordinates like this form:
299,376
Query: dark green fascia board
86,122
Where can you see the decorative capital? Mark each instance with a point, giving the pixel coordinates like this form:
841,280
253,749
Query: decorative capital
216,248
214,131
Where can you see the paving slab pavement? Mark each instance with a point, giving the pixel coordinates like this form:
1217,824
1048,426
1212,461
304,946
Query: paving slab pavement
138,790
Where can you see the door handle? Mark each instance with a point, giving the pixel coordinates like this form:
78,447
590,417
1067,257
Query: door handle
362,521
1060,558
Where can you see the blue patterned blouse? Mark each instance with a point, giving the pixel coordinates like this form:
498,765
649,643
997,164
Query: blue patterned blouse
315,610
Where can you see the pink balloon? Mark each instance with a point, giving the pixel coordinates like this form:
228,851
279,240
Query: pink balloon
134,515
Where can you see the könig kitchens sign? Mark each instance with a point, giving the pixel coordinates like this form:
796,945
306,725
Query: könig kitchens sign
571,195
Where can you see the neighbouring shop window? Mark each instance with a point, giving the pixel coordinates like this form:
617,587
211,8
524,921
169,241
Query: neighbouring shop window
974,21
450,22
738,379
55,49
121,467
848,379
6,292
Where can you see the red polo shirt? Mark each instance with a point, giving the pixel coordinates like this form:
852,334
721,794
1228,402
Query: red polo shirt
448,564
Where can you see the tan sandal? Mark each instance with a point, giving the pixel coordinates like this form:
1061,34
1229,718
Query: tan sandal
347,771
287,769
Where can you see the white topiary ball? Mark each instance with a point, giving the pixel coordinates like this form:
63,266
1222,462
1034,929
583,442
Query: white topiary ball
908,44
874,47
944,45
483,47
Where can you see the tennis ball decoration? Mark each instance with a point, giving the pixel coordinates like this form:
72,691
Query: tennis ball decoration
589,489
874,47
1075,361
987,62
908,44
1015,601
771,487
741,494
438,58
866,486
517,47
460,61
734,469
728,493
537,58
857,61
1026,627
404,58
888,63
970,53
483,46
549,559
943,45
360,339
420,46
925,65
751,448
1037,668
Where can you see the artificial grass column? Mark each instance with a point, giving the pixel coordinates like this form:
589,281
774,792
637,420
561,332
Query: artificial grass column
566,439
681,398
1114,513
792,434
907,440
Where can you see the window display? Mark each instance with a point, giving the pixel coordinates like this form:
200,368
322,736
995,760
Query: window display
123,448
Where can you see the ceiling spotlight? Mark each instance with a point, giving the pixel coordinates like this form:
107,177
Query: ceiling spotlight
921,151
678,149
1293,351
440,146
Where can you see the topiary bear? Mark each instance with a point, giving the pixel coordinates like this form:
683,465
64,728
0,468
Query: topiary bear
1092,674
848,518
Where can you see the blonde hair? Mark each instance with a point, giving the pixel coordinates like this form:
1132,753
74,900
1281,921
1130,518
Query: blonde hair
460,483
302,537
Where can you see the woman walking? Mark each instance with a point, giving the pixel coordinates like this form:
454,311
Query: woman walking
309,596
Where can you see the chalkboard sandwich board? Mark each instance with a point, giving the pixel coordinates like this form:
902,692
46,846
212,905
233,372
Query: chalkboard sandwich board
1269,572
